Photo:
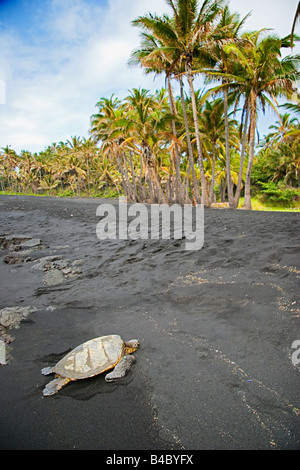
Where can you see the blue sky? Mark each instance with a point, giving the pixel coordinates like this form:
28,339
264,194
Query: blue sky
59,57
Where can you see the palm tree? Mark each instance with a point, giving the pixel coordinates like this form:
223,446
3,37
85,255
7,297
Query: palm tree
139,125
281,129
10,159
152,58
260,74
88,151
105,128
183,37
74,143
108,111
29,171
288,165
227,31
283,148
279,158
189,143
107,174
212,128
195,29
147,127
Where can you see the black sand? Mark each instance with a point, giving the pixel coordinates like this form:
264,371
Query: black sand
216,327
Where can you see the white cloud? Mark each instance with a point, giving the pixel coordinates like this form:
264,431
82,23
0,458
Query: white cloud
78,54
53,84
72,20
2,92
27,140
275,14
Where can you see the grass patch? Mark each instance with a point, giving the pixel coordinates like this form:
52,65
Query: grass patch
106,194
258,205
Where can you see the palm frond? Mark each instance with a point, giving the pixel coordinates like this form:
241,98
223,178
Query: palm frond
297,16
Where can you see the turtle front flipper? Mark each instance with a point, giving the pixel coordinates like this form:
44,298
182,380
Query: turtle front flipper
121,369
55,385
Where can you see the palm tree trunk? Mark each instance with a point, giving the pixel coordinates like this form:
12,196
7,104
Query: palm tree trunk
189,145
222,190
143,191
132,193
156,191
187,197
228,169
123,176
247,200
211,193
88,175
134,176
177,155
204,192
240,177
141,171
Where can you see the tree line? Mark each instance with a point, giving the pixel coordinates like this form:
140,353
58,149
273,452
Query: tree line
197,147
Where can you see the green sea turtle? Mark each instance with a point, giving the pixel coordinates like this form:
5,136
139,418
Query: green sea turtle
92,358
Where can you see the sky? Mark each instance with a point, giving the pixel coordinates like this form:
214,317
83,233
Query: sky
59,57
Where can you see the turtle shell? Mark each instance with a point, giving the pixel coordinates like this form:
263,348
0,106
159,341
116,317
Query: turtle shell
91,358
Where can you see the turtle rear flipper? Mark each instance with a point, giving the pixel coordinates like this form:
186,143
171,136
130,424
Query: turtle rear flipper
121,369
55,385
47,371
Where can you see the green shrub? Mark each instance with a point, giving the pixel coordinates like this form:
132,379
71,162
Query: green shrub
278,193
66,193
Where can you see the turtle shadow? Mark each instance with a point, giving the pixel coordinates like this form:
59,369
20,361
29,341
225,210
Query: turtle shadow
85,389
50,360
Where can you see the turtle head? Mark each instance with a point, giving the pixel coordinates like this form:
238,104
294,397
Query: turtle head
131,346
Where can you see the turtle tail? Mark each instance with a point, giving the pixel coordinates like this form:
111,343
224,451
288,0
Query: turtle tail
55,385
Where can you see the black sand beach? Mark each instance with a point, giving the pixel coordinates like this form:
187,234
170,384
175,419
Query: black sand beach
216,326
